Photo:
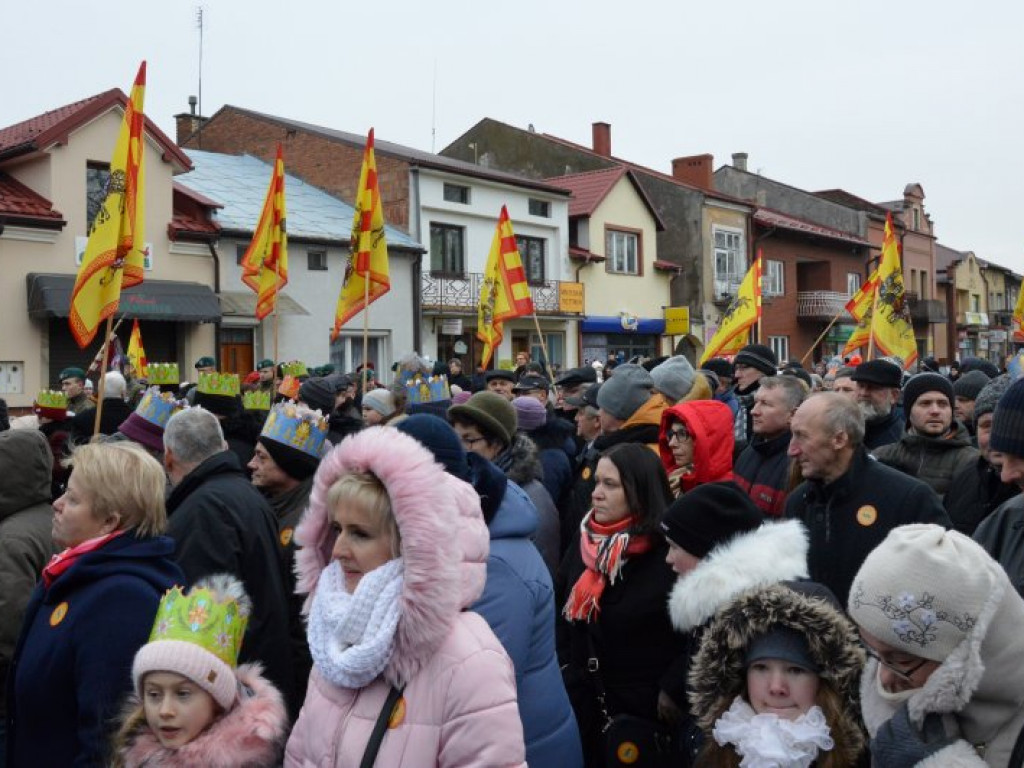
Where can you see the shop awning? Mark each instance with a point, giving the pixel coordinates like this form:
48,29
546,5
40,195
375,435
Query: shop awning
243,304
50,296
623,325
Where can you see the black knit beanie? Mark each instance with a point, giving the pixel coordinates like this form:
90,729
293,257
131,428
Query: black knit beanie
437,436
709,515
970,384
292,461
1008,421
988,398
758,356
925,382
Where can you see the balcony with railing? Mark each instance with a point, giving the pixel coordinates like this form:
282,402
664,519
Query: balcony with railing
925,310
461,293
822,305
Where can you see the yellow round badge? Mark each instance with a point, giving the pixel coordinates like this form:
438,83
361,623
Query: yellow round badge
585,474
58,614
867,515
627,752
286,536
397,714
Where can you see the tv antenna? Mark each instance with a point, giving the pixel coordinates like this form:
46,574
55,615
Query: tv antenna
199,24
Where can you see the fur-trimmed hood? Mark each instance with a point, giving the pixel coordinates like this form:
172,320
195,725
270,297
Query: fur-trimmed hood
718,671
521,461
767,555
711,425
250,735
444,539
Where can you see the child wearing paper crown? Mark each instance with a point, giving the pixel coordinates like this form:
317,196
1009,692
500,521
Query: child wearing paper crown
192,704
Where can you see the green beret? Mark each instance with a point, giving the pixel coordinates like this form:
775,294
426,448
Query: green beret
268,363
206,362
72,373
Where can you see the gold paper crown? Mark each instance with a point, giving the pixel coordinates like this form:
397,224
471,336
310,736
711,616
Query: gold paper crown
157,407
221,384
49,398
258,400
163,373
294,368
298,427
217,626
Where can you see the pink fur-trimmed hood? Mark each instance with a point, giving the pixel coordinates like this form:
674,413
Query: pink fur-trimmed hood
444,538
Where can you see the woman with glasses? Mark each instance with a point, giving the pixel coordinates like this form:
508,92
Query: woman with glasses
696,444
944,632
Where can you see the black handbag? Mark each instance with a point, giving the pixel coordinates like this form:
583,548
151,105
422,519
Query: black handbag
630,740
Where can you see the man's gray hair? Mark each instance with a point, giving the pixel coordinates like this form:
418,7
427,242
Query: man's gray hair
842,415
193,435
793,389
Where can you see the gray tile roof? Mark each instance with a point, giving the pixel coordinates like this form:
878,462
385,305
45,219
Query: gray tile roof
239,183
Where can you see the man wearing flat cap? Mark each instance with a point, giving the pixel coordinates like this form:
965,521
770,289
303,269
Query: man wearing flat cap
878,394
500,382
571,384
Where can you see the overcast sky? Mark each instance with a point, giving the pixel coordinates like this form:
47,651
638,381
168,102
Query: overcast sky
864,95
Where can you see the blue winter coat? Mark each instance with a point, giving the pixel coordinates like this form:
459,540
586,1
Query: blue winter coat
72,666
518,603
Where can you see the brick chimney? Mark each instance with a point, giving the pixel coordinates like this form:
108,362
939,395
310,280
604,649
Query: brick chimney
187,123
602,133
739,161
695,170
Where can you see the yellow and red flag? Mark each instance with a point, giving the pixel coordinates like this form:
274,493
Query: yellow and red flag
891,328
265,263
367,276
115,255
743,313
137,353
505,293
860,307
1018,317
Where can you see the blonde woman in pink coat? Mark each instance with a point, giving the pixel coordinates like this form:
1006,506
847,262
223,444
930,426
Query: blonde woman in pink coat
393,549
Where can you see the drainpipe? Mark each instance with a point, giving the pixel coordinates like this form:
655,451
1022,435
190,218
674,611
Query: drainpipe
216,289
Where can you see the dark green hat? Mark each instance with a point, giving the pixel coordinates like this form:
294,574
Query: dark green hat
267,363
206,362
72,373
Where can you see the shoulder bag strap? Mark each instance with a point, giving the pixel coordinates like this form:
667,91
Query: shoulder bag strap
1017,756
594,668
380,728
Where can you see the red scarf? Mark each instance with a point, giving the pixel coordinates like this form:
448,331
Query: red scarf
604,549
61,562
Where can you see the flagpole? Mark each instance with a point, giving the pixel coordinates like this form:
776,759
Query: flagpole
276,358
103,374
95,360
543,347
818,340
366,326
874,316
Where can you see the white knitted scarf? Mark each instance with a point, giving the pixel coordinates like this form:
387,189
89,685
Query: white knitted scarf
769,741
352,636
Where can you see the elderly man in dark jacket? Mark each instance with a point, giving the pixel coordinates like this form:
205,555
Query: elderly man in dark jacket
221,524
848,501
878,394
25,541
935,446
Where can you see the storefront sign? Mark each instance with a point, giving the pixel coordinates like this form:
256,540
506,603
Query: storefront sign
451,326
677,321
570,298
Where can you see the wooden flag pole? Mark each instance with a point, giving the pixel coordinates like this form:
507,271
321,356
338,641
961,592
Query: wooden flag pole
103,374
366,328
543,348
273,392
871,328
818,340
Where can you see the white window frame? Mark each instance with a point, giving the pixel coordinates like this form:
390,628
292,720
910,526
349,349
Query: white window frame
780,346
347,351
854,280
622,251
773,281
729,251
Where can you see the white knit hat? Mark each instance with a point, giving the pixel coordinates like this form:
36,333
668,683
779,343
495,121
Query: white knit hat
925,591
380,400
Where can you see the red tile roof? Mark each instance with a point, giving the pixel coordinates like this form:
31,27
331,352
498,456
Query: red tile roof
769,218
53,127
192,215
589,188
582,254
18,201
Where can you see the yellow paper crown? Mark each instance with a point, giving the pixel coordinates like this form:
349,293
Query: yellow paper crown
157,407
298,427
215,625
258,400
49,398
221,384
163,373
295,368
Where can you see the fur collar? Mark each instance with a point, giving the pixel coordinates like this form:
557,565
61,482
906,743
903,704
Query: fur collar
251,734
521,462
772,553
444,539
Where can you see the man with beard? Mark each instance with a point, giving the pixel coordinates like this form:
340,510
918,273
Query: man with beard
935,446
878,394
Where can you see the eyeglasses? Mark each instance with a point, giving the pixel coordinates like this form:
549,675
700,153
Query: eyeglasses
469,442
905,673
677,434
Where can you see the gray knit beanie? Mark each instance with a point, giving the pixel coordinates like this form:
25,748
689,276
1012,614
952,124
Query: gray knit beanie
989,396
970,384
380,400
673,378
628,388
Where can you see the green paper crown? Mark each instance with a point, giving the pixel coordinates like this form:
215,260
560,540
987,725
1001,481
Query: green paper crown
199,618
163,373
295,368
256,401
221,384
49,398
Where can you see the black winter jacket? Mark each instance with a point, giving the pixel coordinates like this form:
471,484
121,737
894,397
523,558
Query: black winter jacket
762,470
221,524
884,430
1002,536
975,492
933,460
850,516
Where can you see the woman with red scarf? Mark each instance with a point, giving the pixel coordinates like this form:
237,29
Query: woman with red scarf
615,641
92,609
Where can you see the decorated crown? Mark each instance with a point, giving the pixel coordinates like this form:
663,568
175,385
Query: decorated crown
429,389
298,427
48,398
163,373
200,618
157,407
257,400
220,384
294,368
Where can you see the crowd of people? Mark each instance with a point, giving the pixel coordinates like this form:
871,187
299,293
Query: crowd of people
634,563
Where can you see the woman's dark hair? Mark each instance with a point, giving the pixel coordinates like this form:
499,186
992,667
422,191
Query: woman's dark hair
644,482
